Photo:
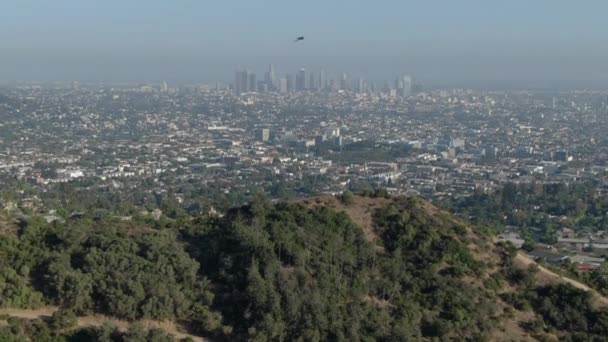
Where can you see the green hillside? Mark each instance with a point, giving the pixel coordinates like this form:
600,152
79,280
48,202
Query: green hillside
323,269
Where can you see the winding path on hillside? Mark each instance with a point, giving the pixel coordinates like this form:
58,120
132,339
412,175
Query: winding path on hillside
99,320
525,260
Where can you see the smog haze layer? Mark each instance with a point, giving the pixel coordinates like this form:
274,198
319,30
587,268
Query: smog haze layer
473,43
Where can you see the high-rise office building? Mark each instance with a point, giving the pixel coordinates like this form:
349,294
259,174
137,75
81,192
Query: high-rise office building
322,80
398,83
311,82
270,78
407,86
290,86
344,82
263,134
241,82
244,81
403,85
360,85
251,82
283,86
301,80
272,74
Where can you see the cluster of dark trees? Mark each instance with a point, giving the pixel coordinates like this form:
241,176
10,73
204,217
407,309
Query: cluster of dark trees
284,272
122,270
563,311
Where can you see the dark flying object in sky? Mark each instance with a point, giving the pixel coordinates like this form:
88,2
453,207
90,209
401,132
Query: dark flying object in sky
298,39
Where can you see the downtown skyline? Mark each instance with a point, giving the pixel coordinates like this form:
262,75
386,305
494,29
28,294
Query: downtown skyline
455,44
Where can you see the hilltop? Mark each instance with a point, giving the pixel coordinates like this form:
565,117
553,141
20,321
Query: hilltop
321,268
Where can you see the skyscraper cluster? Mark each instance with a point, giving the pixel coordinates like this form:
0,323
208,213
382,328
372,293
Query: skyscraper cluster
245,81
403,85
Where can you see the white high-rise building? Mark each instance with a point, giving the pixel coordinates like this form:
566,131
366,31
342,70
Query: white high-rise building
283,89
407,86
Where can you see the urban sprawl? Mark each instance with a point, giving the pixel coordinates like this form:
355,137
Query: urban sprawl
157,150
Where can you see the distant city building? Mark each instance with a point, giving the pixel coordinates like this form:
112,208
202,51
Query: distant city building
322,80
403,84
344,82
251,82
264,134
283,86
263,87
560,156
244,81
457,143
290,86
241,82
270,78
417,87
301,80
360,85
489,152
320,139
333,86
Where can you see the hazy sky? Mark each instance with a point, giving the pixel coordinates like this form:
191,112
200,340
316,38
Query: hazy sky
196,40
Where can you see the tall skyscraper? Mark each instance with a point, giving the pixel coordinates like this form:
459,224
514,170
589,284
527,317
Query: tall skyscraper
359,86
251,82
311,82
270,78
403,85
407,86
322,80
398,83
344,82
283,86
271,72
244,81
301,80
290,86
241,82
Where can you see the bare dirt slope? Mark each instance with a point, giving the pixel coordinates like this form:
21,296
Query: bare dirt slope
99,320
360,211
